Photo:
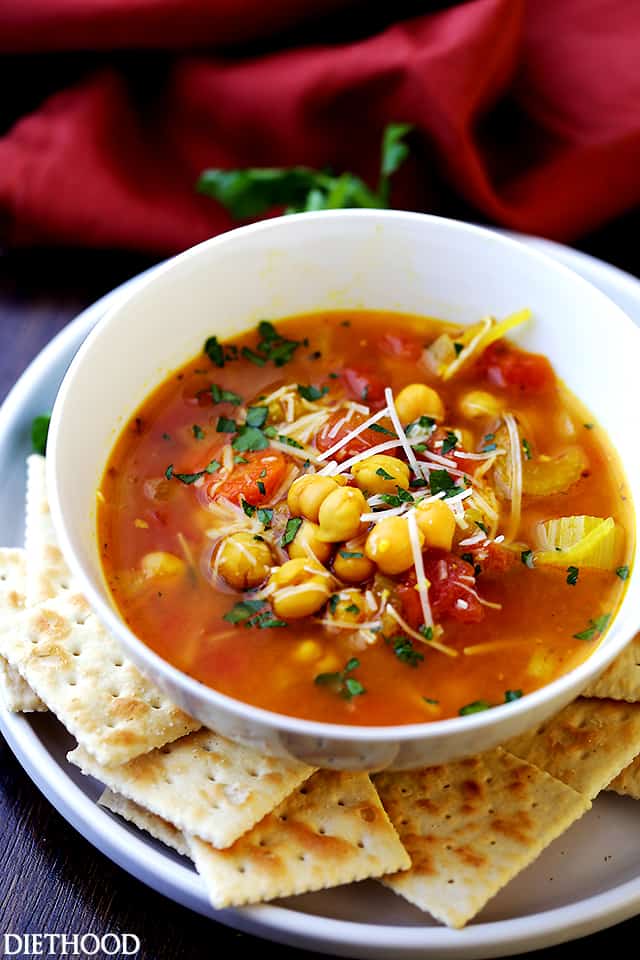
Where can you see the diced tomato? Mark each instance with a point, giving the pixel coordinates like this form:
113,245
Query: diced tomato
450,578
363,385
410,601
401,346
505,366
254,481
492,558
434,443
368,438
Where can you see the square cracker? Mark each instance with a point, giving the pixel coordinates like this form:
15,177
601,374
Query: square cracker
621,679
203,784
332,830
15,693
586,745
48,575
160,829
471,826
627,783
68,658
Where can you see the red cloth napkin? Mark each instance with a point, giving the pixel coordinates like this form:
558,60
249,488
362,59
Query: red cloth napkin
527,111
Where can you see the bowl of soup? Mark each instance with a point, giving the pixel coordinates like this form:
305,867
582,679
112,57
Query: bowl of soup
357,487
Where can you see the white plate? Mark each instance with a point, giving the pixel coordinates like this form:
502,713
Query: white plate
586,880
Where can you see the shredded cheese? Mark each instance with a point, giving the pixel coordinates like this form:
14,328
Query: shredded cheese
449,651
418,562
516,475
402,437
354,433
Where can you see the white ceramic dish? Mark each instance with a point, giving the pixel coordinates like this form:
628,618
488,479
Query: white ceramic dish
587,880
342,259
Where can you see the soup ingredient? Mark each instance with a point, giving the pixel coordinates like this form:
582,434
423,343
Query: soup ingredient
40,433
300,587
307,543
307,494
255,479
389,545
437,523
581,540
342,683
381,474
417,400
159,563
339,514
479,403
243,561
351,563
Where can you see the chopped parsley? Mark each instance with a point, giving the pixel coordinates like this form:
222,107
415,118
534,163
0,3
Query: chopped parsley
40,433
458,347
427,632
440,481
265,516
622,572
588,426
431,701
248,508
218,395
595,629
261,487
253,613
190,478
351,554
334,600
312,393
403,649
288,440
449,443
511,695
422,423
527,558
225,425
572,576
489,447
476,707
381,472
396,499
273,346
482,527
251,355
249,438
341,683
214,351
257,416
378,429
291,529
198,432
352,608
526,446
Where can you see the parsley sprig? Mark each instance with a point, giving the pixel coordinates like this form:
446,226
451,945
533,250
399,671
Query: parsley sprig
596,628
341,683
253,613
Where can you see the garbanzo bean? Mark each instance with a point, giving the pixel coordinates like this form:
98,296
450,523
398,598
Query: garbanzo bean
480,403
339,515
307,543
381,474
307,493
389,545
159,563
418,400
242,561
351,563
351,607
301,588
437,522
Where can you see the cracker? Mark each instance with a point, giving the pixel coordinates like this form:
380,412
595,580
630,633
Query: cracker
160,829
68,658
621,679
627,783
203,784
586,745
15,693
332,830
471,826
48,575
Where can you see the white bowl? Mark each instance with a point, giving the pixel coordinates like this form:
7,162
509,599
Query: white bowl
387,260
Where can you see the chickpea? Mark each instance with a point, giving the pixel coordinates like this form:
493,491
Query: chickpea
381,474
353,569
242,561
479,403
389,545
306,495
162,564
339,515
437,522
307,544
417,400
350,608
299,589
307,651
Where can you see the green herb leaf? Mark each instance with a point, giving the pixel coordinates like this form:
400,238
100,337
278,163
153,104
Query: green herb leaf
218,395
476,707
289,441
352,608
572,575
588,426
198,432
427,632
214,351
458,347
422,423
353,688
40,433
482,527
622,572
526,446
449,443
261,487
344,685
243,611
225,425
378,429
334,600
527,558
511,695
381,472
595,629
351,554
394,153
265,516
312,393
431,700
248,508
257,416
440,481
292,527
403,649
395,499
254,357
189,478
249,438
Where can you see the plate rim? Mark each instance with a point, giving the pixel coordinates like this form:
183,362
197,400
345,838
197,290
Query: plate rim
135,853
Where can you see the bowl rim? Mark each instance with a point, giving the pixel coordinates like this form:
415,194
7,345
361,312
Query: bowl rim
565,686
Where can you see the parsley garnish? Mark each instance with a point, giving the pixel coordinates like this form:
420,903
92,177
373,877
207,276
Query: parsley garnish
251,355
440,480
489,447
190,478
449,443
431,700
352,608
572,576
458,347
253,613
395,499
289,441
422,423
527,558
341,682
334,600
214,351
261,487
265,516
403,649
379,429
351,554
427,632
595,629
292,527
588,426
511,695
218,395
198,432
622,572
40,433
225,425
248,508
312,393
476,707
257,416
381,472
249,438
482,527
526,446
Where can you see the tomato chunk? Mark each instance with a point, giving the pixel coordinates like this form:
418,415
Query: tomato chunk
255,481
363,385
326,438
492,558
506,366
451,579
401,345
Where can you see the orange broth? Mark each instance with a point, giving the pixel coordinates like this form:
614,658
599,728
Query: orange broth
530,640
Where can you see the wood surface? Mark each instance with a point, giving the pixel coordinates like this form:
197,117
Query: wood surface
51,879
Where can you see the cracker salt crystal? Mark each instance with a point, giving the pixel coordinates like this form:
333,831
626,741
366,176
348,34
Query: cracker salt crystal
15,693
621,679
204,784
77,668
48,575
586,745
331,830
158,828
470,826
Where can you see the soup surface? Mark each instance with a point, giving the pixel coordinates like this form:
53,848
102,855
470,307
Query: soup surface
366,518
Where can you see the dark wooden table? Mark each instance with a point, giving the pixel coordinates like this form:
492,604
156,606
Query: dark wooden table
51,879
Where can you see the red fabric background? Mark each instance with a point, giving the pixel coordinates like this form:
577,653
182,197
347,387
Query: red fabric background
528,111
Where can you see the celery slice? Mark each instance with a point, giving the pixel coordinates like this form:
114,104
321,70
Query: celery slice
580,541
